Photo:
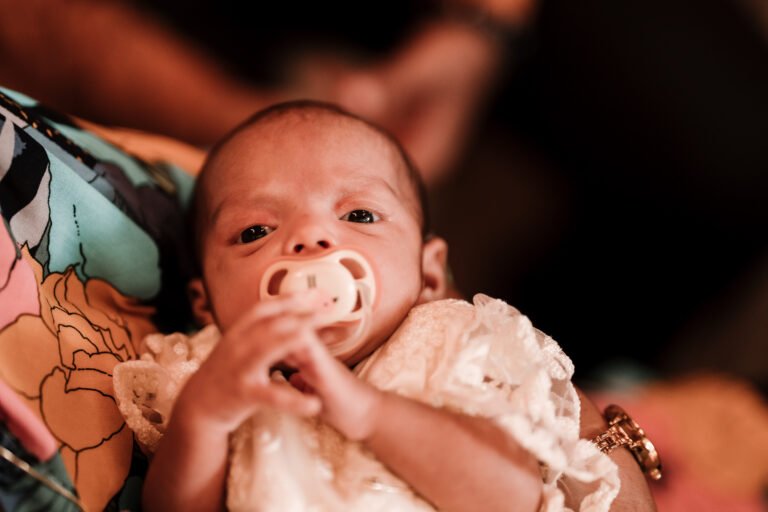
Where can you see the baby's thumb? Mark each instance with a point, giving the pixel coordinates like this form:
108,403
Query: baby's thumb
285,398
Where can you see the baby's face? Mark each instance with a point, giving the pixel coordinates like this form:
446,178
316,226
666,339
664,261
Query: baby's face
302,187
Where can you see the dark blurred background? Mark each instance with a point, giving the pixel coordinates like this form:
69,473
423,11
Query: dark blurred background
628,156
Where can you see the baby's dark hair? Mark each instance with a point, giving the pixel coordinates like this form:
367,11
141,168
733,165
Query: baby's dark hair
196,211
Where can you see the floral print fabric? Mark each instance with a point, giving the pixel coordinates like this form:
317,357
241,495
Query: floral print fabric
91,253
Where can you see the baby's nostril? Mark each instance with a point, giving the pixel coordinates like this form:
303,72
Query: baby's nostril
298,247
324,244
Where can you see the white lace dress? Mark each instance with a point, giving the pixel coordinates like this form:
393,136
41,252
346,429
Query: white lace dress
483,359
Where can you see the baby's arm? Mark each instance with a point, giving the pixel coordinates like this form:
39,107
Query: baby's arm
458,462
188,471
455,461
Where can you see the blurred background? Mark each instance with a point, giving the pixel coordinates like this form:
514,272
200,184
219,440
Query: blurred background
600,165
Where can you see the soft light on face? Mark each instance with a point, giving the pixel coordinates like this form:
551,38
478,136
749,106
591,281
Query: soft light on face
301,185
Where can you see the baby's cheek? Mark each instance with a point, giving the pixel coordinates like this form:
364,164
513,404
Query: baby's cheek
394,308
231,300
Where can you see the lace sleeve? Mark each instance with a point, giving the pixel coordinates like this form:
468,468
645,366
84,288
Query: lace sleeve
487,359
146,389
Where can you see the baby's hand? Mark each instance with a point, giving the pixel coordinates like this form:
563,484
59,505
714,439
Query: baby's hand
234,382
348,404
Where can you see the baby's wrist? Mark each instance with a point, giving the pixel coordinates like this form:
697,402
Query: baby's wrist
187,433
367,415
192,414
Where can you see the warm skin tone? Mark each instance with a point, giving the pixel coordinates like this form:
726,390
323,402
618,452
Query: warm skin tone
304,183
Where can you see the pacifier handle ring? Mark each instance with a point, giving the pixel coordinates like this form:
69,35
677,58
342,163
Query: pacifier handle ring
358,258
364,323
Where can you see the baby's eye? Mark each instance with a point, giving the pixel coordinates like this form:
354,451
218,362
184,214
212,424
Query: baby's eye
363,216
253,233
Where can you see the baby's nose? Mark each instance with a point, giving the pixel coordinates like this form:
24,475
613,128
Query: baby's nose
308,236
317,246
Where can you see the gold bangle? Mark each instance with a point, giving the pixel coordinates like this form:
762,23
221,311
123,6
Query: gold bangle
624,431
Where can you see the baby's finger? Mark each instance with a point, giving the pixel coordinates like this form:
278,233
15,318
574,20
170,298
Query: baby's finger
286,340
318,368
291,361
305,304
257,347
286,398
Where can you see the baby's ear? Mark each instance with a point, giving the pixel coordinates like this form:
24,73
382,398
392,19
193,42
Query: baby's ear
201,306
434,269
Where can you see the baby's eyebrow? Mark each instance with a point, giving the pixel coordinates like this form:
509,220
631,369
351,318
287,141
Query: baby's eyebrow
365,183
260,200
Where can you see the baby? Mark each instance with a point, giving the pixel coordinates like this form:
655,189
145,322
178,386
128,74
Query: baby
449,405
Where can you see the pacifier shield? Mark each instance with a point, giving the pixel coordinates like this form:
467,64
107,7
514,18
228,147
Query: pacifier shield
333,281
338,276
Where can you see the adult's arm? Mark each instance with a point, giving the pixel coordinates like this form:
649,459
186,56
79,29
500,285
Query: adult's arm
634,494
112,63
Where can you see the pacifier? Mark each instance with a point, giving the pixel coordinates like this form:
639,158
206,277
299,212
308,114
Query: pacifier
344,279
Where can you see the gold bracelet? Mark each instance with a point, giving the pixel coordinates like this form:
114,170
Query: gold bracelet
624,431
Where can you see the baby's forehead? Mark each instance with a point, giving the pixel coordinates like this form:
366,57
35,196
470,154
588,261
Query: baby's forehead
323,131
341,129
